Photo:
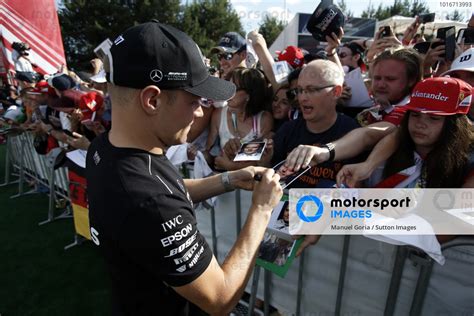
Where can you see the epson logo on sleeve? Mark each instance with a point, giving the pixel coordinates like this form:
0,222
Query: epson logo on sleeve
196,258
187,255
184,232
183,246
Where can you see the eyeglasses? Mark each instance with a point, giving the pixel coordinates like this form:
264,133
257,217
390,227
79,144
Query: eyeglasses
226,56
343,55
312,90
291,94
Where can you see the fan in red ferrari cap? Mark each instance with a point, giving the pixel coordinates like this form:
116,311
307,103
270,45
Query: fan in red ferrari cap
292,55
435,141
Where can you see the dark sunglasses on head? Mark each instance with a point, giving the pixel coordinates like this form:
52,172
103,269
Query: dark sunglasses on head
291,94
226,56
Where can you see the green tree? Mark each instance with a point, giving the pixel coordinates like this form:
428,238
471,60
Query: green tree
207,20
86,23
399,7
418,7
368,13
343,6
455,16
270,28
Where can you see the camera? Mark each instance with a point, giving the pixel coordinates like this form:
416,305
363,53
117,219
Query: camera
385,31
426,18
212,70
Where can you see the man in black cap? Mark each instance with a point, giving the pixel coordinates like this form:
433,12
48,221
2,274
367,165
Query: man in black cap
141,210
231,53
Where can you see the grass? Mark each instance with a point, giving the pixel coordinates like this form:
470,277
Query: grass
37,276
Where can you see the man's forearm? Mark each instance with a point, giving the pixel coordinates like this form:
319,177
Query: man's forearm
205,188
360,139
242,256
383,150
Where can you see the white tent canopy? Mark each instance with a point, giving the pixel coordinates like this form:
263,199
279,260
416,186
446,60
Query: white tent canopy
400,23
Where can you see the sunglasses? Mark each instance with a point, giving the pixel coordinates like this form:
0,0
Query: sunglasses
226,56
291,94
343,55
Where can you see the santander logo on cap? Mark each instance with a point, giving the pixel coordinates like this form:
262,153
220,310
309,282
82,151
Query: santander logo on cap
432,96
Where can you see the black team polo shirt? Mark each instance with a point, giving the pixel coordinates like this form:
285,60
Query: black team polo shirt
142,218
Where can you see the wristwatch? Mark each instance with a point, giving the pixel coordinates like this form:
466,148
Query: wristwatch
332,151
226,182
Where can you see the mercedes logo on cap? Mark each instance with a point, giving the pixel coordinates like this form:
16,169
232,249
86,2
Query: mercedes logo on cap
156,75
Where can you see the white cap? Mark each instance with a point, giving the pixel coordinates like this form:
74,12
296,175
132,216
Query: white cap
100,77
13,113
464,62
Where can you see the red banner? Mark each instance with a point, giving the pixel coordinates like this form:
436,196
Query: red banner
36,23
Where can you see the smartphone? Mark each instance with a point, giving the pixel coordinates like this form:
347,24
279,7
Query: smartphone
68,132
422,47
467,35
385,31
447,35
426,18
449,42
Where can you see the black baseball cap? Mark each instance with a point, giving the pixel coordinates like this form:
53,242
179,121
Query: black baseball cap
61,81
231,42
158,54
326,19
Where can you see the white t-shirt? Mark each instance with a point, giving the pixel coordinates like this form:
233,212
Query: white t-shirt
22,64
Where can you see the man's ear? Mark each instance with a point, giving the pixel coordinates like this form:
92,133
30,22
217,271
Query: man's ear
337,91
151,99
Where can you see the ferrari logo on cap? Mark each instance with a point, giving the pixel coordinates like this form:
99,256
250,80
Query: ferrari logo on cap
156,75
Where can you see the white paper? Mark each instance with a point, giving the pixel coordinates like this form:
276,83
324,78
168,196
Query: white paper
177,154
360,96
428,243
252,59
281,69
78,156
250,151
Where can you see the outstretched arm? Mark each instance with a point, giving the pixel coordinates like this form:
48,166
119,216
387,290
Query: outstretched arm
218,289
350,145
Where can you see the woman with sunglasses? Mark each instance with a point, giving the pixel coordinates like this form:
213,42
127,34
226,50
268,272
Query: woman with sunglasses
244,118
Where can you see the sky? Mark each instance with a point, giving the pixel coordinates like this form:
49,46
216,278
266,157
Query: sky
251,12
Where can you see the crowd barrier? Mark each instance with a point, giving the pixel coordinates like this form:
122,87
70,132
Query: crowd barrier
351,275
341,275
40,173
